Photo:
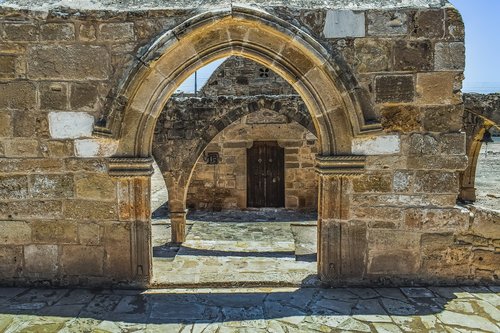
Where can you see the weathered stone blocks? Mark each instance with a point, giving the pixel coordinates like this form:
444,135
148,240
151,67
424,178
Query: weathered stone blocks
86,260
401,118
15,232
387,23
449,56
57,32
69,62
413,55
394,88
41,260
18,95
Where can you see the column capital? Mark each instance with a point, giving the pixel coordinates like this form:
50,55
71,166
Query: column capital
340,164
130,166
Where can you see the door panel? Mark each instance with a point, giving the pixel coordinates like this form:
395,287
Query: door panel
265,174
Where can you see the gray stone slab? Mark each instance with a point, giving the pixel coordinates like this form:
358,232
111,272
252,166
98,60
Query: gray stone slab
344,23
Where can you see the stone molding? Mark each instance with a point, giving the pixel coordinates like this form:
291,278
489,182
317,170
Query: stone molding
340,165
130,167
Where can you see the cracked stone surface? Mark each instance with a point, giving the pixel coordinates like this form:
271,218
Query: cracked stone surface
451,309
249,248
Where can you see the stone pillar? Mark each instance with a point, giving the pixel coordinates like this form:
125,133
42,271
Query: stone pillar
134,205
341,242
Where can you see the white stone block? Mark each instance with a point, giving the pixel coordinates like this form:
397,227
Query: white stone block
380,145
70,125
95,147
344,23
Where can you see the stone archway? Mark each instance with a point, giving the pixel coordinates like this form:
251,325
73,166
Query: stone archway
177,155
339,107
482,112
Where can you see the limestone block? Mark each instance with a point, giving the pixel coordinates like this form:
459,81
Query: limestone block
403,181
25,32
11,260
437,88
89,210
394,88
344,23
436,182
57,31
380,145
95,186
428,24
57,149
437,162
432,242
70,125
13,187
454,25
443,219
117,32
60,232
41,260
68,62
117,244
19,95
8,66
387,23
30,209
51,186
83,96
380,239
22,148
90,233
488,260
486,224
373,55
393,261
15,232
413,55
82,260
401,118
31,165
446,118
378,183
453,143
377,213
95,147
87,32
422,144
449,56
53,96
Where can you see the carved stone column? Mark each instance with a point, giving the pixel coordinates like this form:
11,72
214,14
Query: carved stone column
341,243
134,207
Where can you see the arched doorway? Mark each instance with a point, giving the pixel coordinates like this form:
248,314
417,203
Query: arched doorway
339,108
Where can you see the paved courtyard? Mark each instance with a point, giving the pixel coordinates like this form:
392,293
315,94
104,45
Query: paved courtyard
234,249
474,309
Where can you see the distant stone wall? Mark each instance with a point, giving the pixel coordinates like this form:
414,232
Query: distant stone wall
224,186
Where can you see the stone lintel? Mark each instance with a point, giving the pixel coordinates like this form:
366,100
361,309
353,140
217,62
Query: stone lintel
130,167
340,165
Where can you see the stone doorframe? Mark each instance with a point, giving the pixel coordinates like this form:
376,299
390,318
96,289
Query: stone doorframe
340,109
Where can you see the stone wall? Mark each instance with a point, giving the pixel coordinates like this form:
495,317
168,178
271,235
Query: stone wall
81,88
224,185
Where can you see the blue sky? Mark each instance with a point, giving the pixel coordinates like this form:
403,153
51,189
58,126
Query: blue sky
482,42
482,38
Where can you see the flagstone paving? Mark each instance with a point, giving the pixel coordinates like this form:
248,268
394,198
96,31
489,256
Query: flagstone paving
276,310
229,249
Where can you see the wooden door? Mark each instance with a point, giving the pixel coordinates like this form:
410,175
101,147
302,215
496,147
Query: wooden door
266,175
